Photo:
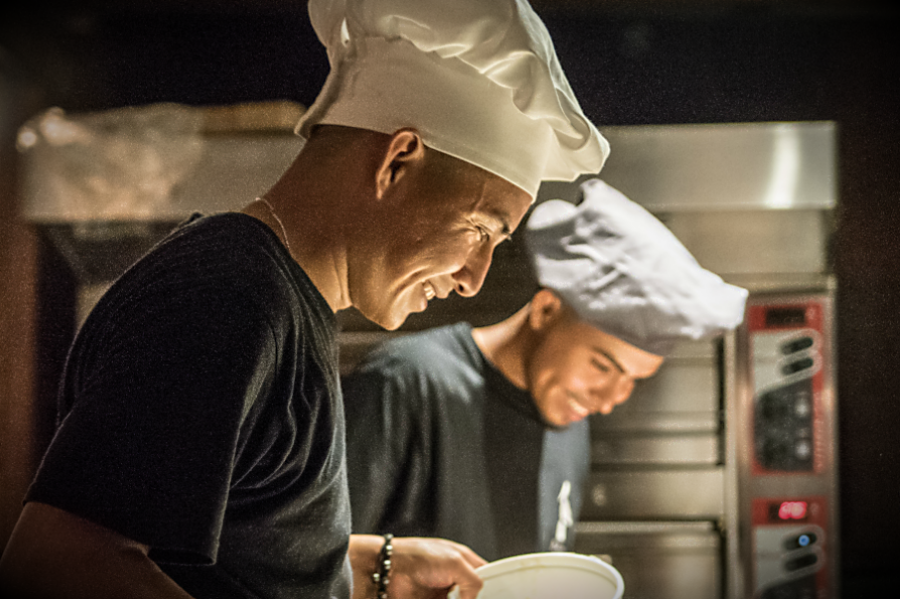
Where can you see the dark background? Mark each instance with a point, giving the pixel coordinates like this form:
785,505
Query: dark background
629,62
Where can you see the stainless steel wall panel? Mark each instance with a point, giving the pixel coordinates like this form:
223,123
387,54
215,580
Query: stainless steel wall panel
657,422
679,386
655,494
654,450
757,241
733,166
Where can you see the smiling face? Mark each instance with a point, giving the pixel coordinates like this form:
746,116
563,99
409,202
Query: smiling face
434,232
575,370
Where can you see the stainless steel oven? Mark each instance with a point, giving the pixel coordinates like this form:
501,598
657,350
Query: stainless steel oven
718,479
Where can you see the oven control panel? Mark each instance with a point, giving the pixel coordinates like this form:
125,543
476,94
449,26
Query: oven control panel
783,421
788,485
789,544
786,360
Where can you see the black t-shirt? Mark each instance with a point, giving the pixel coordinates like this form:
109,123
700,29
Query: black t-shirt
200,414
440,443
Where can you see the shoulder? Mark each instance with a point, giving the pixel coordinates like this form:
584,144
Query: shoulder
219,275
221,243
237,262
227,259
437,362
446,347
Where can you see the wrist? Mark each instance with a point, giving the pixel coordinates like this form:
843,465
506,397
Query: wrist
364,553
382,576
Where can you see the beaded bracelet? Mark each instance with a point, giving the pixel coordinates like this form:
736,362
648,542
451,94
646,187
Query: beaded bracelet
381,578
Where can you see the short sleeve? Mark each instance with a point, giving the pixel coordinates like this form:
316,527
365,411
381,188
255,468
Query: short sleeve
159,384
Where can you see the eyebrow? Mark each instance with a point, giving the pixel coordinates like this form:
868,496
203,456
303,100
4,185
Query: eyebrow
501,218
610,358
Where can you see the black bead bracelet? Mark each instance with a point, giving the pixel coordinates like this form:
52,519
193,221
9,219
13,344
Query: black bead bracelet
381,577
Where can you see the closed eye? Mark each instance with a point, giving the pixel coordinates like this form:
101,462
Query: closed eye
495,227
600,352
484,234
599,365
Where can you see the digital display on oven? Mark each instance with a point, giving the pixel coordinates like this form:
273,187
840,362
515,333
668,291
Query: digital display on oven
786,317
788,511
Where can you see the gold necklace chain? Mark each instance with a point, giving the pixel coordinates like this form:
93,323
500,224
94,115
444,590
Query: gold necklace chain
284,234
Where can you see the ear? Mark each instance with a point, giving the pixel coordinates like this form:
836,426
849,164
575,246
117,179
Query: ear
546,309
403,150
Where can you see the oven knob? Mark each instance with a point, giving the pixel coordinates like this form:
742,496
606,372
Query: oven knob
801,541
797,366
796,345
801,562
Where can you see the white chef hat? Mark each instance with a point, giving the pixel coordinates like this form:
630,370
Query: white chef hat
479,80
625,273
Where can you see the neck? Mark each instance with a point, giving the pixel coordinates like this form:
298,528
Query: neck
305,214
507,345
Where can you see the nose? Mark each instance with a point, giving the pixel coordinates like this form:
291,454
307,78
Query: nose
469,279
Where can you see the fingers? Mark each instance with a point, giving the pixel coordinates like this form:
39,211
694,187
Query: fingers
467,580
470,592
470,556
434,565
469,585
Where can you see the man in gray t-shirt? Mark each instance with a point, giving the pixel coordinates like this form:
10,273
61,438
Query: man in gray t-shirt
480,435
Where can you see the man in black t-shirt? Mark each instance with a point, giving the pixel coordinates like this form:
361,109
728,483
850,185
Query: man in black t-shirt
199,449
479,435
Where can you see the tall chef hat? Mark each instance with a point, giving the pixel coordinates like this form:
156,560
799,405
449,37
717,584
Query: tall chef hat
625,273
479,80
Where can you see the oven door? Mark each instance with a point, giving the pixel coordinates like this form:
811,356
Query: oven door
659,559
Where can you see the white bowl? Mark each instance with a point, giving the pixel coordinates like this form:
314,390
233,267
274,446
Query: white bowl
549,576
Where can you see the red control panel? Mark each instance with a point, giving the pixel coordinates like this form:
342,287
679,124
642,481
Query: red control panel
789,537
791,448
786,357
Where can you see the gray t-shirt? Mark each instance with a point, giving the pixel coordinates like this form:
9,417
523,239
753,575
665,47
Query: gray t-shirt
440,443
